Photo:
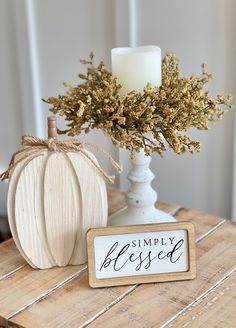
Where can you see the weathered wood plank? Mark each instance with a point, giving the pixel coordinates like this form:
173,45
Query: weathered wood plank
28,285
10,258
75,297
155,304
217,309
72,305
204,222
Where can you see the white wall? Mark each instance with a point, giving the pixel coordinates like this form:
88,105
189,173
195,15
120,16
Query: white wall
67,31
44,40
43,43
10,119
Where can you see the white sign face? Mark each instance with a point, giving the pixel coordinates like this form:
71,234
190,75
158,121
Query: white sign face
135,253
141,253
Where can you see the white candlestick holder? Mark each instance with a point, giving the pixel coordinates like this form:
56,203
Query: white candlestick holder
141,197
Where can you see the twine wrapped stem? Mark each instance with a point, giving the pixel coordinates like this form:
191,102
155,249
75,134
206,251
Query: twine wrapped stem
36,146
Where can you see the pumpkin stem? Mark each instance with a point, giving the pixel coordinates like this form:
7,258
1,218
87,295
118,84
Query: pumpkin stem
52,127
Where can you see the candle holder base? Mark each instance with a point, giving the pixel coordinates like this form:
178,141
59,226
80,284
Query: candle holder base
132,216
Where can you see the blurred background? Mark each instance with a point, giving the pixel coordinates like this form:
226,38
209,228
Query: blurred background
43,40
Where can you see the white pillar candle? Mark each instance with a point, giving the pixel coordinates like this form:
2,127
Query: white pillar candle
135,67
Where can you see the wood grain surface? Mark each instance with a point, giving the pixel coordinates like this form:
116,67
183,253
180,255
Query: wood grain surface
61,297
10,259
205,313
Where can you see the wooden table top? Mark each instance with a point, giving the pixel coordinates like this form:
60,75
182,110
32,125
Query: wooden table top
61,297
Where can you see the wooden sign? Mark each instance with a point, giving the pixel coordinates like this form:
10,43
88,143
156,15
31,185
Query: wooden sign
141,254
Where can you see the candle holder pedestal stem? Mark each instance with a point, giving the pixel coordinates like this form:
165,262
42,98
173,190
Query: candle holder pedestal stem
141,197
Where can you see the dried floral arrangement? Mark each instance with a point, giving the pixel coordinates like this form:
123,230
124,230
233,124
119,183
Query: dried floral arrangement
150,120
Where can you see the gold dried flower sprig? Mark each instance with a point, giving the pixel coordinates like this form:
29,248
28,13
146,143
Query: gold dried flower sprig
141,120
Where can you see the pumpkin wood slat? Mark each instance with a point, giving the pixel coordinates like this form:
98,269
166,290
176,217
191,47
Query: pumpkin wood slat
205,312
29,212
61,221
94,207
74,298
11,206
215,257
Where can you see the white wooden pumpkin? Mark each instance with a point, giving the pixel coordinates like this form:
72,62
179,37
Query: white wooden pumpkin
53,199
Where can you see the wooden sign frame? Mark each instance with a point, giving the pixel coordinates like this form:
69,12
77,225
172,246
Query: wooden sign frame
176,229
